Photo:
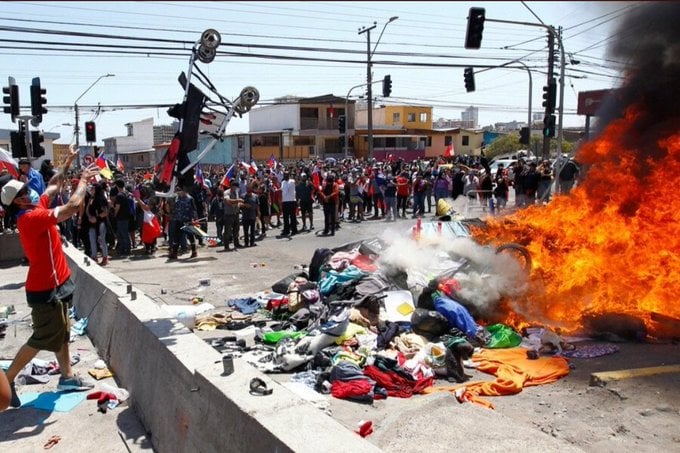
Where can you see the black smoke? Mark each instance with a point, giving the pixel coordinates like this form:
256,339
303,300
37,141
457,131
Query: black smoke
647,42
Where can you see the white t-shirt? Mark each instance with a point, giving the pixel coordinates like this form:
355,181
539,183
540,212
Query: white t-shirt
288,190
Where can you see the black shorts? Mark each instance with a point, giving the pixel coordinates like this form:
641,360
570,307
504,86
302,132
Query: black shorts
306,207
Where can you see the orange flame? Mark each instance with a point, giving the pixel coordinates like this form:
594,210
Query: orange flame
613,244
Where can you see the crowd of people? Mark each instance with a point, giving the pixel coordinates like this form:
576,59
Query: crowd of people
257,199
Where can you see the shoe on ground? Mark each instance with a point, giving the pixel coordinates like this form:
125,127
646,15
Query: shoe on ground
104,261
75,384
253,245
14,401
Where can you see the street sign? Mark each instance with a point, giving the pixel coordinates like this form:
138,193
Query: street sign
589,102
88,159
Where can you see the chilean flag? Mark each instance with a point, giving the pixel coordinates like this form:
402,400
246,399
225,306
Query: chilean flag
271,163
449,151
253,168
104,169
228,176
246,167
151,229
198,177
8,163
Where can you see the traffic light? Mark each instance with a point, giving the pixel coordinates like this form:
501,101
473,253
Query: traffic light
550,96
387,86
342,126
18,141
469,75
12,99
475,27
549,126
90,132
524,134
37,138
38,99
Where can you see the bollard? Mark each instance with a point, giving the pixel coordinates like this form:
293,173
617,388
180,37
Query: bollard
133,295
129,289
227,364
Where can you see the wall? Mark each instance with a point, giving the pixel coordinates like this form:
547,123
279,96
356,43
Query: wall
176,388
274,118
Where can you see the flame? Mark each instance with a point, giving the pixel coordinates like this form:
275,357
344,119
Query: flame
613,244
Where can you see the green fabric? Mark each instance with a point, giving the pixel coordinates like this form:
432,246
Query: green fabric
275,337
502,336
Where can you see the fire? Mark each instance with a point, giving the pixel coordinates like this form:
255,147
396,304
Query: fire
613,244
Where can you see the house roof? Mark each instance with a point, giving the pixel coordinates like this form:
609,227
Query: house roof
324,99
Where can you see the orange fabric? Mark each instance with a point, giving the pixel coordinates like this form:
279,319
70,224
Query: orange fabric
513,372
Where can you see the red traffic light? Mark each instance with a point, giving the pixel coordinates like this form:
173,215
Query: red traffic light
90,132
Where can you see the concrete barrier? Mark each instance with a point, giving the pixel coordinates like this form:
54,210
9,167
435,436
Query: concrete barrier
10,247
175,383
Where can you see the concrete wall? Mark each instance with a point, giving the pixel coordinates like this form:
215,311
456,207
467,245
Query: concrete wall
274,118
10,247
175,383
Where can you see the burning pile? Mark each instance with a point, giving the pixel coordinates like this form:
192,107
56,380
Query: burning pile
613,244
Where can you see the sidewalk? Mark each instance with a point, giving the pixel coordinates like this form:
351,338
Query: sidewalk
83,428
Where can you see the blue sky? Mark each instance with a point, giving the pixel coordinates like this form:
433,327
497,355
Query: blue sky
426,34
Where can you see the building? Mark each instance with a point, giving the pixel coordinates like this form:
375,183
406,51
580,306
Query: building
470,117
299,128
164,133
135,150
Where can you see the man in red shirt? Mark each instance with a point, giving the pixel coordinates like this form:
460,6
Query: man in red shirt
402,193
49,288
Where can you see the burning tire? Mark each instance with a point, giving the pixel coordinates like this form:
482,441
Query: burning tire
519,252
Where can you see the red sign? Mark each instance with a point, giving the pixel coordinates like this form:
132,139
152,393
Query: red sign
88,159
589,102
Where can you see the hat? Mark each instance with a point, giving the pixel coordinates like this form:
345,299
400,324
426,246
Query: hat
24,161
10,190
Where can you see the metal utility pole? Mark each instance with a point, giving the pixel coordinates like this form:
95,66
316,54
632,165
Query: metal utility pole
548,110
76,127
369,76
369,104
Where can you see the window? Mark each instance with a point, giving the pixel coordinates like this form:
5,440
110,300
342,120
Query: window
429,140
396,118
447,140
411,117
466,140
270,140
423,117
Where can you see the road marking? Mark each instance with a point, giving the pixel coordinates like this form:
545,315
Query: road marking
604,377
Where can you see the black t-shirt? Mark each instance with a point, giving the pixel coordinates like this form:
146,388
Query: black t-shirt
123,200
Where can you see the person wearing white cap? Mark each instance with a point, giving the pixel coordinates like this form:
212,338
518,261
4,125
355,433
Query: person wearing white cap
49,288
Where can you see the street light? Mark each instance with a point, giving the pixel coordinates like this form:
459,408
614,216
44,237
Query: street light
76,129
369,76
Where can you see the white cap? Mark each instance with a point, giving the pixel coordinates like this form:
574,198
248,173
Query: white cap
10,190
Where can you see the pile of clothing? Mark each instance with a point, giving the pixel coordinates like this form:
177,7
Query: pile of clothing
365,331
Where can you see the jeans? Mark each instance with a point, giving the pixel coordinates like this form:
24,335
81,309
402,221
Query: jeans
98,235
329,218
123,236
418,203
249,231
391,203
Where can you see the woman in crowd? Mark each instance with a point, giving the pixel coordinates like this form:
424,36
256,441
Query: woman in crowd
96,214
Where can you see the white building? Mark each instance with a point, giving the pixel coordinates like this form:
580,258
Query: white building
135,150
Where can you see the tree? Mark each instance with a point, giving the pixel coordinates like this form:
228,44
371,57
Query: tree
509,143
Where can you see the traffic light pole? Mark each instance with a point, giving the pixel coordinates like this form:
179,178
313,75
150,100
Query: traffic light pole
558,36
346,112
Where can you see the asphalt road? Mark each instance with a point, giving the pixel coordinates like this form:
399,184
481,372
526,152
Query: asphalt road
570,415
